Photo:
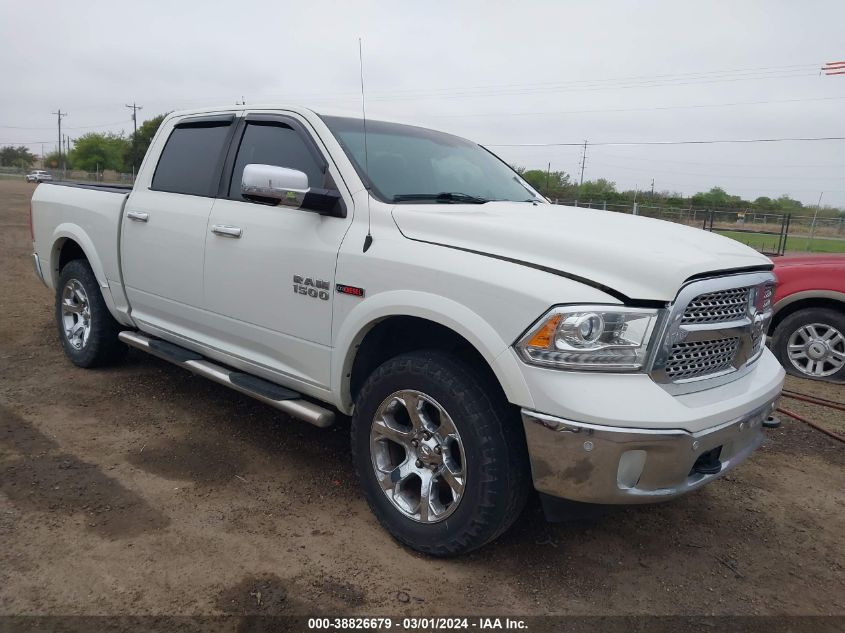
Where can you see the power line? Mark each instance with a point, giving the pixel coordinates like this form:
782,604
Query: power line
649,109
724,164
588,88
706,142
76,127
711,175
517,114
641,81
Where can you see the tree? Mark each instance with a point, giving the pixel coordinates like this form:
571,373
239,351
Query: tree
600,189
54,161
18,156
95,151
140,142
555,184
718,198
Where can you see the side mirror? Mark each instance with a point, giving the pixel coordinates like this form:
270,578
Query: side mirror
269,182
289,187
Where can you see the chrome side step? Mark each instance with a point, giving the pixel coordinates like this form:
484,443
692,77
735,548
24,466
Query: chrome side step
275,395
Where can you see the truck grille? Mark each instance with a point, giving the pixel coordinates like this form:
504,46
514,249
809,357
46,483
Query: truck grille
715,331
717,307
695,360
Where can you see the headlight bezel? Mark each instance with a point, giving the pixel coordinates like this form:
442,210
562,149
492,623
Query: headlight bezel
606,357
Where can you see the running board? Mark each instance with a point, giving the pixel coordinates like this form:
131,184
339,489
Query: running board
270,393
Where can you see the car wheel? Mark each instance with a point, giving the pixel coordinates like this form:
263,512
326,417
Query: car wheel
811,343
87,330
441,460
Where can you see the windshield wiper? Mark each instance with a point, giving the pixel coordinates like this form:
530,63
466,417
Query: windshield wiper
452,197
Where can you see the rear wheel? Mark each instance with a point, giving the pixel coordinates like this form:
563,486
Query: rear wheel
87,330
811,343
440,457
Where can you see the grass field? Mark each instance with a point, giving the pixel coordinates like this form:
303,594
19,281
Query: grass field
793,243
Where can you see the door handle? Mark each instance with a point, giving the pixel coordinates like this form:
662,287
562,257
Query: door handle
224,230
138,216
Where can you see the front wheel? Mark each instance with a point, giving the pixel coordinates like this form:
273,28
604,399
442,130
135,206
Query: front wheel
87,330
811,343
440,456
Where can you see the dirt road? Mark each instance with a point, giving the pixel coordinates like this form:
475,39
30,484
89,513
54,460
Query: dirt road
144,490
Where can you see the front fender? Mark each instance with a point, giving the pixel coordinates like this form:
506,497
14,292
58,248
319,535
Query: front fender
446,312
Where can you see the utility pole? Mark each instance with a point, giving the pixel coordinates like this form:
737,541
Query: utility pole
59,115
583,163
134,107
548,173
652,189
813,229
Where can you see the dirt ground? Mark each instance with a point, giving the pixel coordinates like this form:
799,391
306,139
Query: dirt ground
145,490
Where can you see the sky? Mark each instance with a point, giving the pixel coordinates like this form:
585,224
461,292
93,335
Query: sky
499,73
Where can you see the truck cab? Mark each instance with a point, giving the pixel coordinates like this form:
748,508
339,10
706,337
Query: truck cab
481,340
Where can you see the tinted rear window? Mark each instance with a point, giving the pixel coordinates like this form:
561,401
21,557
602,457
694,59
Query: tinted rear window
190,160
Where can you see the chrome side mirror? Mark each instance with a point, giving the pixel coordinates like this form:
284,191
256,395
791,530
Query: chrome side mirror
288,186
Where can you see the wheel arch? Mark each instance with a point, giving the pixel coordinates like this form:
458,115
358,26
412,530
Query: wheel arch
70,242
379,332
805,300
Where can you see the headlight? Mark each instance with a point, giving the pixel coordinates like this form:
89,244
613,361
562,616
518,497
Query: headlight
590,337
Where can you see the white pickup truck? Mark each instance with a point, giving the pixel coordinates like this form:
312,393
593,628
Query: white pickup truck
480,338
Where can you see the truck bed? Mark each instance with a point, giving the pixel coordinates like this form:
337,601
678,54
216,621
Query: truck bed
96,186
90,214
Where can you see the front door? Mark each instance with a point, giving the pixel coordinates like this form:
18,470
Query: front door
270,270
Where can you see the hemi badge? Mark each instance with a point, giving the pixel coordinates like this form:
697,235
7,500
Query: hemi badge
350,290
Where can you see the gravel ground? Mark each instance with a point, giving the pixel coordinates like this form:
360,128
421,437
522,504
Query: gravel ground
145,490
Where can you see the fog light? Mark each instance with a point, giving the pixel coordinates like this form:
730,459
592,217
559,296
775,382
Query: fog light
631,466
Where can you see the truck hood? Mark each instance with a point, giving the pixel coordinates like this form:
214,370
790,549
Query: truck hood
632,256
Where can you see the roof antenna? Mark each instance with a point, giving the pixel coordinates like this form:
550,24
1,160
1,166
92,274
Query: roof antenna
369,239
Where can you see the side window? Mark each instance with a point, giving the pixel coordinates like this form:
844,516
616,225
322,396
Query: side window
274,145
189,162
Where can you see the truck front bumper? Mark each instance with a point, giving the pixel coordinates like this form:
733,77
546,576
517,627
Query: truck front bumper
614,465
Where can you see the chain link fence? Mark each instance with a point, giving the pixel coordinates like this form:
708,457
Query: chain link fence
76,175
768,231
724,219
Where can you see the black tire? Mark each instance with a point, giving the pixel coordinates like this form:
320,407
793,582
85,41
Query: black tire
828,317
497,474
101,347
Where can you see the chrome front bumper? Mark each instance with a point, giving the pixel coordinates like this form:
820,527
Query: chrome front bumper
36,264
614,465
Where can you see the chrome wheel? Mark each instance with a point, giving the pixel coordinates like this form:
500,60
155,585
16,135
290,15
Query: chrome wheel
418,456
817,350
76,314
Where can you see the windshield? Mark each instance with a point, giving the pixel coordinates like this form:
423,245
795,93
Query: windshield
409,164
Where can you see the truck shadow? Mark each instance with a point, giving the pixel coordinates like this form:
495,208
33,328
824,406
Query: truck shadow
36,475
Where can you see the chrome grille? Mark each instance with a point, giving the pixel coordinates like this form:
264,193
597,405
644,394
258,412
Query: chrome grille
717,307
701,358
714,332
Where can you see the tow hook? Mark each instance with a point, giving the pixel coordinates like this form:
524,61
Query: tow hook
708,463
772,422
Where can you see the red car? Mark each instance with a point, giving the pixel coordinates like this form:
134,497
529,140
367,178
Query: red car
808,329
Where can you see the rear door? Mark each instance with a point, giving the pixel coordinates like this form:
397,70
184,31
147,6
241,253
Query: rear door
164,225
269,280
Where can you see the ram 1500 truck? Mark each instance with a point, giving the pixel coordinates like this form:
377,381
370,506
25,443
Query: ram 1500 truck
481,339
